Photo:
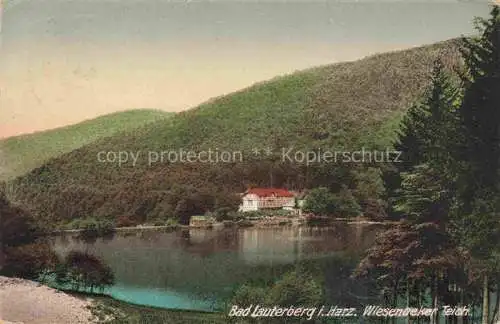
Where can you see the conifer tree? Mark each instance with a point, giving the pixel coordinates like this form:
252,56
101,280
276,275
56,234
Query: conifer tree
419,252
477,217
480,110
426,131
451,152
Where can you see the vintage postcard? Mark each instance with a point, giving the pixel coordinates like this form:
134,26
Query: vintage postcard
250,161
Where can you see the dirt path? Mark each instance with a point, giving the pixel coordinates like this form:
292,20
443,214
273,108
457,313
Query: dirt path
27,302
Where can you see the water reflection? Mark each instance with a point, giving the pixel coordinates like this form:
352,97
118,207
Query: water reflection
192,268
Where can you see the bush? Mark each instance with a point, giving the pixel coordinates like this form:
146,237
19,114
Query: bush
171,222
22,253
374,209
163,222
222,214
254,214
258,214
321,201
294,288
235,216
280,212
16,225
227,200
86,271
29,261
92,227
74,224
126,221
248,295
157,222
346,204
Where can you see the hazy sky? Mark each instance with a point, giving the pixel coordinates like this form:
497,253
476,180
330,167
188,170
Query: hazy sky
62,61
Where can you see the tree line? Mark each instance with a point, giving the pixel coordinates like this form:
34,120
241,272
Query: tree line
446,191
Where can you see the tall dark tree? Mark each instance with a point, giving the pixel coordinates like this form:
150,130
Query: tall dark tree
477,220
426,131
417,255
427,122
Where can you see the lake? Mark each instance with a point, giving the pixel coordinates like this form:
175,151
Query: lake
199,269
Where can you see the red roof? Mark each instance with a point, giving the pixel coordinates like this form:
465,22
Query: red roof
268,192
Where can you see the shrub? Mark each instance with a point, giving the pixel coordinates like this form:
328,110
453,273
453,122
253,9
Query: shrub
22,253
374,209
235,215
280,212
345,203
254,214
126,221
74,224
85,271
228,201
294,288
16,225
321,201
158,222
248,295
171,222
222,214
29,261
91,227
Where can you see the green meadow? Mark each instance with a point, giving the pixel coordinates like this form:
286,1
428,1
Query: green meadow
21,154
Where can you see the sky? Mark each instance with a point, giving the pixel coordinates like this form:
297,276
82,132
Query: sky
63,61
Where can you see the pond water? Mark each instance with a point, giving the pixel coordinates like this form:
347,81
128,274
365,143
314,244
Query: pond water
199,269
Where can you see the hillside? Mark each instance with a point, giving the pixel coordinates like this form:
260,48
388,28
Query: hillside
341,106
21,154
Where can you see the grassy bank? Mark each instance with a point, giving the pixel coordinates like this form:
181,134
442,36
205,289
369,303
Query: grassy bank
112,311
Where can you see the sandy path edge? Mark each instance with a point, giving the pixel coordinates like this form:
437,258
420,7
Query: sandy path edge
28,302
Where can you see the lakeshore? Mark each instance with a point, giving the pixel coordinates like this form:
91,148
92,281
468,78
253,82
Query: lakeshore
199,269
29,302
25,301
260,223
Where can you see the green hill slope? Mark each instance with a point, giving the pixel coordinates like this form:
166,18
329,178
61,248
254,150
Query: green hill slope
23,153
341,106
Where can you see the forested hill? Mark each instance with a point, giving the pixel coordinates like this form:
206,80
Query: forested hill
20,154
339,106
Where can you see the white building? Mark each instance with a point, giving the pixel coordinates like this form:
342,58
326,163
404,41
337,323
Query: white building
267,198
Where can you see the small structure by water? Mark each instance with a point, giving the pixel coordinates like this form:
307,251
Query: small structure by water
201,221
